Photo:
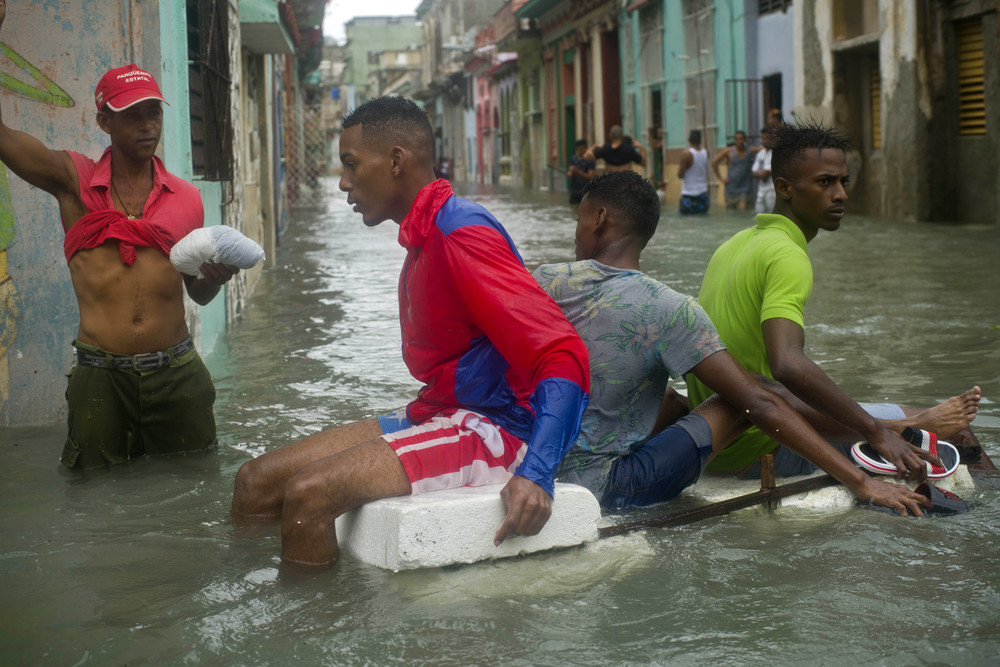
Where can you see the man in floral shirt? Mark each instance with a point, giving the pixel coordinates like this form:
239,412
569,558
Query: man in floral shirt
637,444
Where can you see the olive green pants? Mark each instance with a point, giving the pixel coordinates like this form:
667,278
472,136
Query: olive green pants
120,414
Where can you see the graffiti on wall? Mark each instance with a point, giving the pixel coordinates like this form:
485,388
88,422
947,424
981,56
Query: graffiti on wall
41,89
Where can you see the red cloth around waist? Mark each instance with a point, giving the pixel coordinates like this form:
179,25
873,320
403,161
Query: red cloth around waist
96,227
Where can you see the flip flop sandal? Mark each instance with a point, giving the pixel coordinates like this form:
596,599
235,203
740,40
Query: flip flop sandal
866,457
942,502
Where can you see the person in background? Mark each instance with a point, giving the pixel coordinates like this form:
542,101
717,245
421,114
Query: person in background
618,153
738,180
693,172
580,171
762,172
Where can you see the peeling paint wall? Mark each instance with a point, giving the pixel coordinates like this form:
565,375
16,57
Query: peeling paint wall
923,169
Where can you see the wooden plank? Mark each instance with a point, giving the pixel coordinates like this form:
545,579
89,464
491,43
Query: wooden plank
722,507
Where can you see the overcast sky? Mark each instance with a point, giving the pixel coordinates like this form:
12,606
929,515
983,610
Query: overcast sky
340,11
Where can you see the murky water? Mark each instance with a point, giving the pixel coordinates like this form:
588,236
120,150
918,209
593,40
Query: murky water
140,565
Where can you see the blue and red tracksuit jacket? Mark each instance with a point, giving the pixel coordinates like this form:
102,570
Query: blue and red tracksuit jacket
481,334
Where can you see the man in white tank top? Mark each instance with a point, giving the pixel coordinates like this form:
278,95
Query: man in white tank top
693,172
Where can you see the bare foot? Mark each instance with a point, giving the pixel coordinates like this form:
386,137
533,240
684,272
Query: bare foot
949,417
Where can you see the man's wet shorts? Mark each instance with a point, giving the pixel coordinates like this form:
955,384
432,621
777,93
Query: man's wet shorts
694,204
117,413
454,448
659,468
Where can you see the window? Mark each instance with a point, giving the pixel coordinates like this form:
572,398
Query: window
769,6
971,91
208,79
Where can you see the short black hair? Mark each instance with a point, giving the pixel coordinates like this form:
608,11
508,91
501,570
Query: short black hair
631,195
788,143
694,137
393,119
581,142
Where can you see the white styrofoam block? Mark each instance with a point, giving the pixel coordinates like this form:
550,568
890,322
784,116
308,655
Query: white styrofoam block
457,526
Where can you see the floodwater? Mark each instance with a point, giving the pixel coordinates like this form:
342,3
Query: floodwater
140,564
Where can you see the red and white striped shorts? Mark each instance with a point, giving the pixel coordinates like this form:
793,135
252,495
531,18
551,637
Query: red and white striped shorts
456,448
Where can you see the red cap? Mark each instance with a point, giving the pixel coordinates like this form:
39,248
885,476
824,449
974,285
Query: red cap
124,86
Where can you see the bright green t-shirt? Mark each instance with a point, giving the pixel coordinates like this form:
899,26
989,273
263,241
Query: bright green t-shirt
759,274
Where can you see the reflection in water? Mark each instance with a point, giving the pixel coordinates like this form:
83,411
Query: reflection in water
140,564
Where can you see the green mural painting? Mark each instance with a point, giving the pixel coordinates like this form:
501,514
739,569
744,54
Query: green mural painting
44,90
9,301
41,89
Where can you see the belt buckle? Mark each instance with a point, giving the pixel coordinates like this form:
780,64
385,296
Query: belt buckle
149,361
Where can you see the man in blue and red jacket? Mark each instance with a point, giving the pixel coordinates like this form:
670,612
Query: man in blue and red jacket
505,374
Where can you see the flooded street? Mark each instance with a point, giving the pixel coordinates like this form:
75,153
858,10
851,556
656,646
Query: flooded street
140,564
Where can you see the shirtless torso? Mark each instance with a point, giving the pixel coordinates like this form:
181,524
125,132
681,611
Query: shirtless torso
123,309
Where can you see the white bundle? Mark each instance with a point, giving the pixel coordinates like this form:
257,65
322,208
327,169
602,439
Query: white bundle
220,244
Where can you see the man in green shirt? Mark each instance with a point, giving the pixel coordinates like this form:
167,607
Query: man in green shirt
755,289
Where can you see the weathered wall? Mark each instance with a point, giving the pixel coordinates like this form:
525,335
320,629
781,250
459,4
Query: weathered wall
976,165
57,52
924,169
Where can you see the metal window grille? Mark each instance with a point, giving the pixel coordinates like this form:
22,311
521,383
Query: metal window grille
699,69
971,78
208,80
651,42
769,6
744,107
627,51
875,82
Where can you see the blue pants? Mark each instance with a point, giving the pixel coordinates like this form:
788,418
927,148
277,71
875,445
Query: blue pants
659,468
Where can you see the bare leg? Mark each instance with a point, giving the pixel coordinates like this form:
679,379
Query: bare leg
260,483
727,423
672,407
947,419
323,490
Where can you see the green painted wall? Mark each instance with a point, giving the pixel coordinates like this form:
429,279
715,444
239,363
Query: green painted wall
209,321
730,61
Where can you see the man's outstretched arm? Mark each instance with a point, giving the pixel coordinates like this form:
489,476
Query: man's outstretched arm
723,156
723,374
26,156
784,340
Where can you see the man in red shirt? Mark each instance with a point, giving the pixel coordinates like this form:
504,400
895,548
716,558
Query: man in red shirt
505,374
139,386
